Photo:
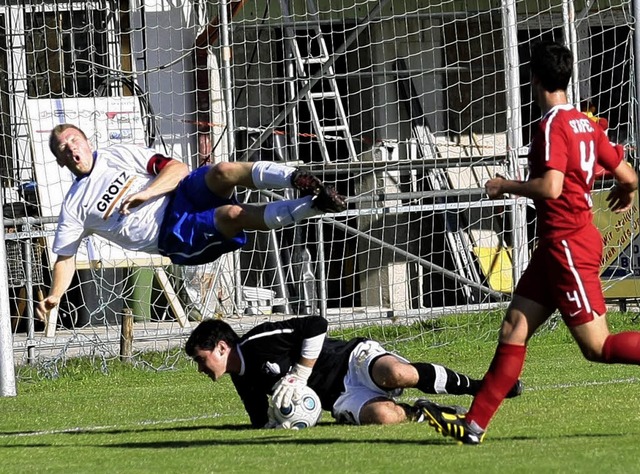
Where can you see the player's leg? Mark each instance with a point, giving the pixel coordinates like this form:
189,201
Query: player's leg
322,198
582,304
384,411
234,218
270,175
200,217
366,402
222,177
622,348
361,405
591,337
523,318
391,372
531,306
316,199
358,403
599,345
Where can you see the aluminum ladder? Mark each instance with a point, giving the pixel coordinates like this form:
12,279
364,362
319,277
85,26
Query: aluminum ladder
457,238
339,130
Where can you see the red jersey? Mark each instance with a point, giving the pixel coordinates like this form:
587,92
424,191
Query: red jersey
567,141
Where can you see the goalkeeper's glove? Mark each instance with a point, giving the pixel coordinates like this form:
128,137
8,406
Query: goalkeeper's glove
272,423
286,389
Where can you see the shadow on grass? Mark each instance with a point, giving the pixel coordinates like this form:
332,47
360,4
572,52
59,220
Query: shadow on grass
140,429
239,442
280,440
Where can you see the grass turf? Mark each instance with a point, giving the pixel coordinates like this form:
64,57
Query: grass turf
574,416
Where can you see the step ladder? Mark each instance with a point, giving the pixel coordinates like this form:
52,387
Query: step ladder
457,239
317,53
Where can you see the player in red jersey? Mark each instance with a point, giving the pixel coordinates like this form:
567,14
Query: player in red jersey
564,270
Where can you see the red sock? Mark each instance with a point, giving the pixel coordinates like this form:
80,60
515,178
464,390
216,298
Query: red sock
503,373
622,348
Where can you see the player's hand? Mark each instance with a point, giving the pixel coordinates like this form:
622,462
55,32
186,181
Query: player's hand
620,199
286,389
272,423
493,187
45,306
286,426
132,201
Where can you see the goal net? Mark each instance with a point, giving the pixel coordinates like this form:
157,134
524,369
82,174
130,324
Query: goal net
407,107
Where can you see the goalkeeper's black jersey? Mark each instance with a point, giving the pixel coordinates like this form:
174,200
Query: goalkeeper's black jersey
269,350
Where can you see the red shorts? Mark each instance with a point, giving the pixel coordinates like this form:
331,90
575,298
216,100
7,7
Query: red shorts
564,274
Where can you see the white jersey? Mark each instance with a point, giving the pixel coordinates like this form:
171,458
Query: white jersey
91,206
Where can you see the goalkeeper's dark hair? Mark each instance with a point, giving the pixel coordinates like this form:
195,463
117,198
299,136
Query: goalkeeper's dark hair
552,65
208,334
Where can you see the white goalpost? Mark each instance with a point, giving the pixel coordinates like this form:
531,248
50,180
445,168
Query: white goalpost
7,371
406,106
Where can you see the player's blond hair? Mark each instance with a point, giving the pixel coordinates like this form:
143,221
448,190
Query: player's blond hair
55,133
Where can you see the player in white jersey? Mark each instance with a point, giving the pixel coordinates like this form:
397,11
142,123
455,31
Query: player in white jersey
144,201
91,206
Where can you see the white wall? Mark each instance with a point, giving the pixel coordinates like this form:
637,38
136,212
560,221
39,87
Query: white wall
170,32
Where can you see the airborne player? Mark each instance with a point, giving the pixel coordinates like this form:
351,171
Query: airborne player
144,201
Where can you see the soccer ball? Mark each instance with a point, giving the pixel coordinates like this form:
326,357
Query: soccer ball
304,412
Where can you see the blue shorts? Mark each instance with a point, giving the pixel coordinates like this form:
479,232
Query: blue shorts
188,235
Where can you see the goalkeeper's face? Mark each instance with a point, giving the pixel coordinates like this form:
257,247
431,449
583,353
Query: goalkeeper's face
211,362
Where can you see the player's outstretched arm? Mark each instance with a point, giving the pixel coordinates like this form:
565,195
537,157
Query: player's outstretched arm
313,330
165,182
548,186
63,271
621,196
286,389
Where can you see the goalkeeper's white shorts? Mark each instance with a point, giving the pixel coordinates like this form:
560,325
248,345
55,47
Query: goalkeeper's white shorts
359,388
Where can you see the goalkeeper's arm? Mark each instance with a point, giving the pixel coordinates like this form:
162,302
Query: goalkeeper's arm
286,388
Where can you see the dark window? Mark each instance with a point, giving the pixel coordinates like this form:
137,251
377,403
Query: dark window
66,52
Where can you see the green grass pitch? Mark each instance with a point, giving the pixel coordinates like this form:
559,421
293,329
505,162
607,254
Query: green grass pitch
574,416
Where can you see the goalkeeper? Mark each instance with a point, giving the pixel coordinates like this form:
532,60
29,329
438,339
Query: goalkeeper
357,380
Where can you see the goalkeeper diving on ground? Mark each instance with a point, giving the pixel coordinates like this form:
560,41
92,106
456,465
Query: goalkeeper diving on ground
357,380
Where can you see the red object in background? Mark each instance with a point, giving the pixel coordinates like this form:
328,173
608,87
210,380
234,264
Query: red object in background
598,170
